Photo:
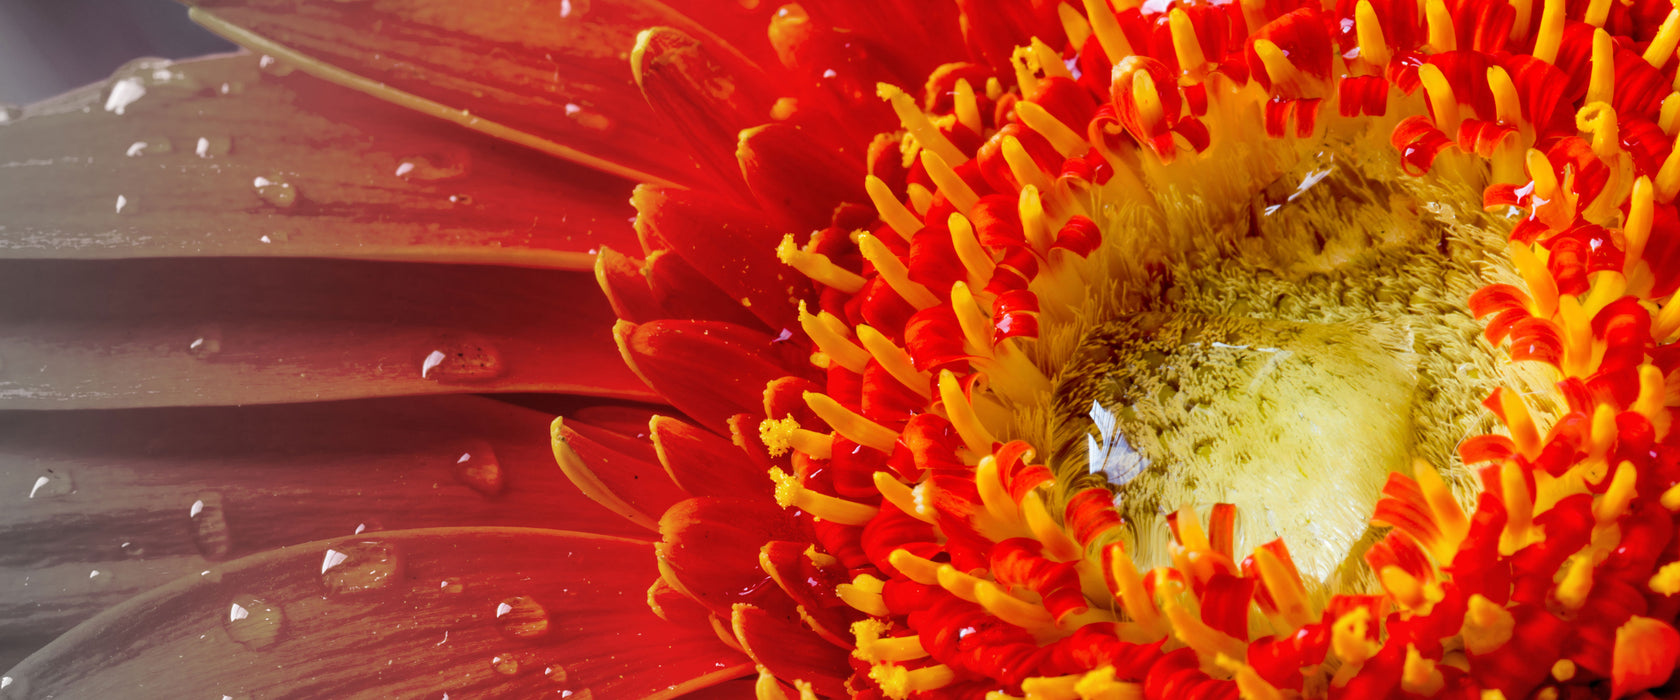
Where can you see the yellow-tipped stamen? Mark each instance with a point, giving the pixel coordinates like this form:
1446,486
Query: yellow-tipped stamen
1487,625
1277,64
1077,29
1191,536
873,646
949,183
1148,100
1417,596
1101,685
1051,687
864,595
1521,423
1671,498
967,107
1669,117
1022,166
993,496
1571,592
1598,119
1668,176
850,425
1134,596
975,320
1011,609
1524,18
1507,103
1443,36
922,571
921,198
1373,46
1616,499
829,333
1287,591
1576,328
1034,221
1208,642
1667,579
958,583
1419,675
893,212
1048,60
1065,140
1549,37
898,682
894,272
1607,286
781,435
1542,288
1667,321
1449,516
1519,506
1349,639
1443,104
1106,26
1025,78
895,360
1637,230
1186,46
1597,12
766,687
976,261
1650,401
818,267
792,494
961,414
1601,81
1662,46
901,496
919,125
1057,543
1563,670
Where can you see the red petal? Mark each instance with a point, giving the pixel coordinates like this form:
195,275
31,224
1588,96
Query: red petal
1646,651
792,652
682,361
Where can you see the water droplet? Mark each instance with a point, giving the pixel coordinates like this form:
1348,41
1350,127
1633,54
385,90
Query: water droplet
369,525
275,190
573,9
522,617
213,146
231,87
461,199
451,586
478,468
504,664
358,567
13,688
123,93
10,113
462,360
149,147
51,485
99,578
588,118
122,203
254,623
207,344
276,237
275,67
209,526
433,168
132,549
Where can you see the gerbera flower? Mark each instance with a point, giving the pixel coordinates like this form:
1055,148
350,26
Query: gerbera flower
1044,349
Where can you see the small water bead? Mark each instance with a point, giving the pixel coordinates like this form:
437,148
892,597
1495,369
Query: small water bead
461,199
522,617
122,204
478,468
10,113
133,549
573,9
124,93
451,586
433,168
275,67
213,146
149,147
210,531
207,343
588,118
462,359
13,688
253,622
51,484
505,664
358,567
275,190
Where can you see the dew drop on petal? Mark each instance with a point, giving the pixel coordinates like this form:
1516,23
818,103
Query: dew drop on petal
522,617
209,526
462,360
213,146
504,664
275,67
123,204
13,688
51,484
451,586
132,549
275,190
478,468
207,343
254,623
10,113
588,118
573,9
461,199
433,168
123,93
358,567
149,147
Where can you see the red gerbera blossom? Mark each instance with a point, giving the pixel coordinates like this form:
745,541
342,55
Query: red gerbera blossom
1041,349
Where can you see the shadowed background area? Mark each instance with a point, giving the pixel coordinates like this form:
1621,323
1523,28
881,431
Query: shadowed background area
48,46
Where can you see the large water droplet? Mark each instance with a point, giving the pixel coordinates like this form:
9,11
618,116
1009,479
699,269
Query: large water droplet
588,118
478,468
433,168
149,147
360,566
462,359
207,344
213,146
13,688
123,93
275,67
254,623
275,190
522,617
123,204
209,526
505,664
51,485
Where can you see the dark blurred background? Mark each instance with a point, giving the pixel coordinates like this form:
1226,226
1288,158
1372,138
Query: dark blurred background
49,46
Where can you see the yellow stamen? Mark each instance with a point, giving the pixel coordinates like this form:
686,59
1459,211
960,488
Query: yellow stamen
1066,141
1519,507
898,682
1668,176
1349,637
1507,104
1615,501
1449,516
1576,328
818,267
781,435
1443,36
1107,28
1208,642
901,496
1577,582
1487,625
1650,400
958,583
961,414
1022,166
1542,288
864,595
1601,81
829,333
1667,579
1287,590
1443,105
1419,675
792,494
1057,544
1034,221
1025,78
1671,498
1277,64
894,272
920,197
1563,670
1669,117
1048,60
766,687
1597,12
1186,46
1011,609
1521,424
1550,35
976,261
1667,321
850,425
1077,29
1637,230
998,504
1101,685
895,360
975,320
915,568
949,183
873,646
1663,44
1134,597
1373,46
1148,100
897,216
919,125
967,107
1599,120
1417,596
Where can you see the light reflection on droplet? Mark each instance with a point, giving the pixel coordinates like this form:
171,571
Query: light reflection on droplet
522,617
433,169
51,485
149,147
213,146
122,203
274,66
462,360
478,468
209,526
358,567
504,664
275,190
207,343
253,622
